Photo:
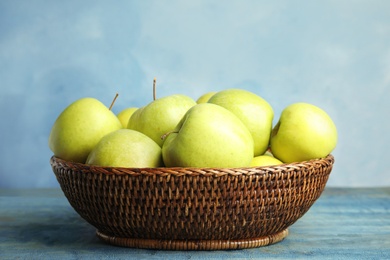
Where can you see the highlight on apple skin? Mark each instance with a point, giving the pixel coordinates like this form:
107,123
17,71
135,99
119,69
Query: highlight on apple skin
265,160
80,127
160,116
231,128
303,132
126,148
125,115
208,136
205,97
254,111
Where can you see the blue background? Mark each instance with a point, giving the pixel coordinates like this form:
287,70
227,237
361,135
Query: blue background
334,54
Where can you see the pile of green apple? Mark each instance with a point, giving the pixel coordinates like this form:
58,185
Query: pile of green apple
226,129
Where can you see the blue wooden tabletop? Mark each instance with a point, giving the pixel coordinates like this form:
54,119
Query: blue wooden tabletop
342,224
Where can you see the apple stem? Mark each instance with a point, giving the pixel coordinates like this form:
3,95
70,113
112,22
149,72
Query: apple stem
113,101
166,134
154,89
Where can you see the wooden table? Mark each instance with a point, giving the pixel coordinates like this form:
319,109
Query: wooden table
342,224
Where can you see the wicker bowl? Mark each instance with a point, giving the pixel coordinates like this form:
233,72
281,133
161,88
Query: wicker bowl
192,208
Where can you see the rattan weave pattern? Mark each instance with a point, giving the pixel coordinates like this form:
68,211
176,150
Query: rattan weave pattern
181,204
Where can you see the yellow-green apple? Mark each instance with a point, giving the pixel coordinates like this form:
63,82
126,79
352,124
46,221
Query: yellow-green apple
208,136
80,127
205,97
255,112
160,116
126,148
303,132
264,160
125,115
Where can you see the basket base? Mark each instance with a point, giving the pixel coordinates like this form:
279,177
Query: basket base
194,244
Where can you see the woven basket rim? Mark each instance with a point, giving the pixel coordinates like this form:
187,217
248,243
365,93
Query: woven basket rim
329,159
170,205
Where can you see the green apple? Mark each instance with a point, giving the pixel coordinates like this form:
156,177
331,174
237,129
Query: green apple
264,160
125,115
80,127
255,112
208,136
126,148
303,132
160,116
205,97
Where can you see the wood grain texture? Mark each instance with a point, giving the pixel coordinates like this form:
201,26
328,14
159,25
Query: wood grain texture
342,224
